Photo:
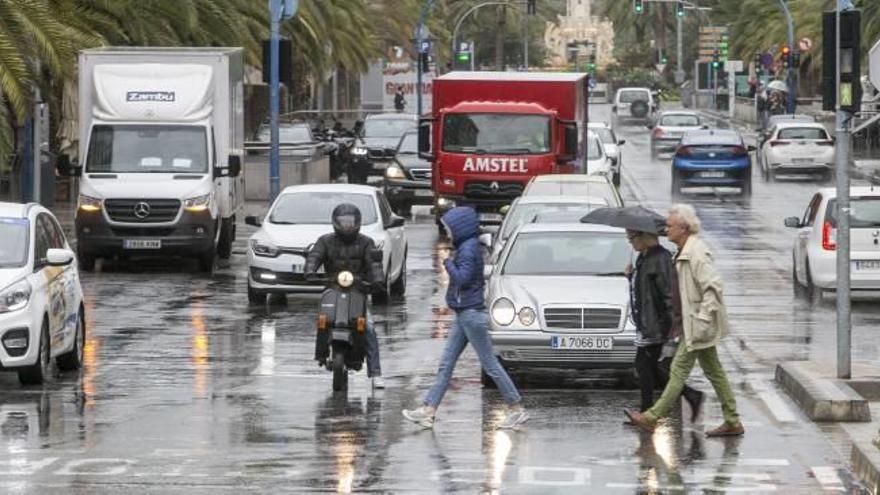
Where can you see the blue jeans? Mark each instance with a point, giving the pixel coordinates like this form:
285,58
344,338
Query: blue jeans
472,326
374,368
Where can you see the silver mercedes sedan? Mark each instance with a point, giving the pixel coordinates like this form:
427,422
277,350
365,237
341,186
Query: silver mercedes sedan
558,298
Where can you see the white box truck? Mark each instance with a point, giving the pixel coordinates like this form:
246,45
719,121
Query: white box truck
161,134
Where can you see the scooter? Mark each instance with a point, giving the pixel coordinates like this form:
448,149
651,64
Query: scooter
340,344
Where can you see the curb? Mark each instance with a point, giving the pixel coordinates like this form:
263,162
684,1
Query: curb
865,461
822,399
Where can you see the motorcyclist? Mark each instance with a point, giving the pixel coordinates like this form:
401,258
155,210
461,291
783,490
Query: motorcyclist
346,249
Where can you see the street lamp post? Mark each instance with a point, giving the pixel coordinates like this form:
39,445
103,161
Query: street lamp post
278,11
464,16
420,49
792,85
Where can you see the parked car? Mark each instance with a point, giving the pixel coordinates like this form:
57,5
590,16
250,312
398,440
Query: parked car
591,186
558,298
408,179
633,104
797,148
814,254
611,144
377,143
712,158
299,216
597,163
527,209
42,316
670,127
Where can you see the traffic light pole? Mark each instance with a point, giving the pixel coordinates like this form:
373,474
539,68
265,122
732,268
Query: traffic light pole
790,80
275,10
420,38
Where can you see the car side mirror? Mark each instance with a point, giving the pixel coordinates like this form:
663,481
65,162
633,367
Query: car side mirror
253,220
59,257
650,126
395,222
704,127
487,270
425,139
751,148
793,222
234,166
621,142
486,239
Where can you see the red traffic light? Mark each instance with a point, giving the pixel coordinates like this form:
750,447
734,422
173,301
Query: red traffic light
786,50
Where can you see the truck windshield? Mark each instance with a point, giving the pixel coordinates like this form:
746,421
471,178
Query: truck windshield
496,133
148,149
14,248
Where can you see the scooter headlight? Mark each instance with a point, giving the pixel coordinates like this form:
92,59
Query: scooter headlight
359,151
345,279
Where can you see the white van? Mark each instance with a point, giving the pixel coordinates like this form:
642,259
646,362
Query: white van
633,104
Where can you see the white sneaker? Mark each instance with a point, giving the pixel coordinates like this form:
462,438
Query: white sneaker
420,416
514,419
378,383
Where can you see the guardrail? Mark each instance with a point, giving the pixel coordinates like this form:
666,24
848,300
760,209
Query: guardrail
300,164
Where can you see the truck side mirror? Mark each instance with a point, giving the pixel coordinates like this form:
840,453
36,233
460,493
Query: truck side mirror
425,139
65,168
570,146
234,164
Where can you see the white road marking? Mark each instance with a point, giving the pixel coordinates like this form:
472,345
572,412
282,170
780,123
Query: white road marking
827,477
267,350
579,476
95,467
24,467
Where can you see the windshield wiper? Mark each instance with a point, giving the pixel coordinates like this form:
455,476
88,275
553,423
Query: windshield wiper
514,151
281,222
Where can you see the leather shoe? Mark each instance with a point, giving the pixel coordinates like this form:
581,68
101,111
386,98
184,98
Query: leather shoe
727,430
640,420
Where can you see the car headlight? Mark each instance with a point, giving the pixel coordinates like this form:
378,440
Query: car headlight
199,203
359,151
15,297
527,316
265,249
88,203
503,311
394,172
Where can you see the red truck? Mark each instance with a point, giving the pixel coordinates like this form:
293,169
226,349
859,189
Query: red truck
490,132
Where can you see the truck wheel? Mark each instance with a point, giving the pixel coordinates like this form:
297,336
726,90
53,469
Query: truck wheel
398,288
85,260
38,372
206,260
73,359
227,233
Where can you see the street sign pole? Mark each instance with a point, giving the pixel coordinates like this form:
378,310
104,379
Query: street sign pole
274,150
679,71
844,319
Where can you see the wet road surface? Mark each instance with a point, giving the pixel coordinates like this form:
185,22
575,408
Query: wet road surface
186,389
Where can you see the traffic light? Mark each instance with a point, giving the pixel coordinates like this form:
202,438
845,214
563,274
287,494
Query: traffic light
424,62
759,66
679,9
531,8
638,6
786,56
850,61
591,63
716,59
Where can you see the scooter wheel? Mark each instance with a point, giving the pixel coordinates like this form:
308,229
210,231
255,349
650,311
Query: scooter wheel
340,374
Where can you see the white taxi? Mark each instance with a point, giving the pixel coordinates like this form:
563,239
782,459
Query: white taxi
41,302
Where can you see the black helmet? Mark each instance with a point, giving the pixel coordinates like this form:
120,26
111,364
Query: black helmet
347,221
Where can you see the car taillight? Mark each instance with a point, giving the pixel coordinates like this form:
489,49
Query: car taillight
829,237
775,143
739,151
826,142
658,132
684,151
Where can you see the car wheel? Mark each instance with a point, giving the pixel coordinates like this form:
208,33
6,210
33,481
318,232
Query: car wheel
73,359
398,288
746,188
383,296
85,260
38,372
255,296
676,184
615,179
227,235
795,282
811,290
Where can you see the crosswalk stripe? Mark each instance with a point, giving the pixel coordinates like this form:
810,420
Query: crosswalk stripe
827,477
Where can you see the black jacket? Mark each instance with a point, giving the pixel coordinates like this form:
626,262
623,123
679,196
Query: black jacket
360,257
652,294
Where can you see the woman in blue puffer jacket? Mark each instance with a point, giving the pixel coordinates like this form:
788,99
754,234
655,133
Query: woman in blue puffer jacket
465,296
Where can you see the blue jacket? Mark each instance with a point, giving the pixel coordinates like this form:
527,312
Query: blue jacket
466,269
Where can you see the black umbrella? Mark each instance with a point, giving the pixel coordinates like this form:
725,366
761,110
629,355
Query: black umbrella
629,217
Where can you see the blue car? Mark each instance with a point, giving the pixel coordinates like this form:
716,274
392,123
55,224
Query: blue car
712,158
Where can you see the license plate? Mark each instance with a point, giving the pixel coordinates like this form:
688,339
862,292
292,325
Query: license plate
867,265
340,335
712,175
142,244
581,342
801,160
491,217
299,264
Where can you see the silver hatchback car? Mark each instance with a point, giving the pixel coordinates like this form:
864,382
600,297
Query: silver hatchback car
558,298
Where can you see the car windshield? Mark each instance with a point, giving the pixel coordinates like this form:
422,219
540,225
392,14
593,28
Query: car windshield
409,144
865,212
680,121
496,133
14,248
802,133
633,95
524,213
568,254
287,134
148,149
387,128
604,134
316,208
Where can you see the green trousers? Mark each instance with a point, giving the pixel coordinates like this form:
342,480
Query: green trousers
682,365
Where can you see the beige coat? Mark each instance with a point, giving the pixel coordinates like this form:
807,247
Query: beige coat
704,316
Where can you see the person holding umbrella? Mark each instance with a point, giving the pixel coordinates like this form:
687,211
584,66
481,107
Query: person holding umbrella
652,282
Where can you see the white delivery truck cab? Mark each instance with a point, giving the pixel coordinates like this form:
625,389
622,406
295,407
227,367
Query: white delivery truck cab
161,142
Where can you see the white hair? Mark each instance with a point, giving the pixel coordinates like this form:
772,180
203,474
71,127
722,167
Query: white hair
687,216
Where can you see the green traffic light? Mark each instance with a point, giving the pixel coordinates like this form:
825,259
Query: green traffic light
464,57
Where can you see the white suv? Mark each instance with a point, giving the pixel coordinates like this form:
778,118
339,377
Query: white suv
633,104
41,301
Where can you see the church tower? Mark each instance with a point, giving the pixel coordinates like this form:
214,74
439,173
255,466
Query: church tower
578,9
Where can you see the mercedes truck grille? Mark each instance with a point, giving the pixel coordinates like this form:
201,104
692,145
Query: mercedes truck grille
142,210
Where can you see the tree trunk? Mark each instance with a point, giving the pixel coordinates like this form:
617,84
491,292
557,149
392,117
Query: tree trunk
500,31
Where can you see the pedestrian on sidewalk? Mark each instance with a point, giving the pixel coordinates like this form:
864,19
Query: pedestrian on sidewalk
465,296
704,319
652,279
